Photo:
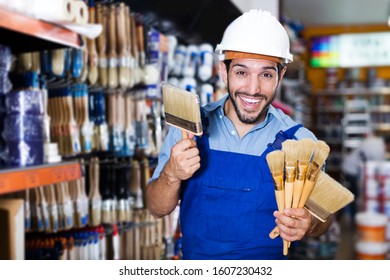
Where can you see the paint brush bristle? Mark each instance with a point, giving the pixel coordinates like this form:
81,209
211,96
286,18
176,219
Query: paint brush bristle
305,149
328,196
275,160
182,109
321,152
290,148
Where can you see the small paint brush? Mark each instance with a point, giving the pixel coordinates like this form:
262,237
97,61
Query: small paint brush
321,152
275,160
290,149
305,151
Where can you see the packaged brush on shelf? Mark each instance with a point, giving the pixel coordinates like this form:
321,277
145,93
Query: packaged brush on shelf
23,122
5,65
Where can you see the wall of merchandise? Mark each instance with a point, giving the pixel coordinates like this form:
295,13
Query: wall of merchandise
100,106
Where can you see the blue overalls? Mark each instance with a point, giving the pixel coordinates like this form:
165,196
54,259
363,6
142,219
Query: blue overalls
227,207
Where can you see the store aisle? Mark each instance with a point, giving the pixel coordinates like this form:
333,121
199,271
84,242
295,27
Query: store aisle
346,249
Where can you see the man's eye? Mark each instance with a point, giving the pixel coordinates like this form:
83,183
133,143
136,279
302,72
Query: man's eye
267,75
240,73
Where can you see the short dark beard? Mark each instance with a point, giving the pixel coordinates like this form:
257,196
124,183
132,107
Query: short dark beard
240,116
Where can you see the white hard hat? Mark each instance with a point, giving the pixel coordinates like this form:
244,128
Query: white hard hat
256,32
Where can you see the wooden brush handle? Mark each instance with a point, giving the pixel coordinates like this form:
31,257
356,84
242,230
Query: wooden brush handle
133,31
112,46
140,37
24,62
62,115
111,109
121,110
286,245
274,233
140,43
121,30
298,187
112,32
288,194
280,199
184,134
92,51
91,174
124,80
306,191
129,58
36,63
129,111
101,18
127,29
57,61
101,39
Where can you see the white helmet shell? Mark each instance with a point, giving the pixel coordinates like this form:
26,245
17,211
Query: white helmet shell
257,32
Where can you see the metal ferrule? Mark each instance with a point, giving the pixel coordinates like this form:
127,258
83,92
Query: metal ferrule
290,172
278,180
301,171
313,171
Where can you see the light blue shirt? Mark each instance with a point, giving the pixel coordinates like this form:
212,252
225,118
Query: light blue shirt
224,136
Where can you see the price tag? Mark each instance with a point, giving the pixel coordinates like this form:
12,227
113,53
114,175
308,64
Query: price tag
58,175
4,182
32,179
72,172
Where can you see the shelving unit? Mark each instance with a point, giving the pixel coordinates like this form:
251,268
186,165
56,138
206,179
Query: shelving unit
23,33
16,29
12,180
329,113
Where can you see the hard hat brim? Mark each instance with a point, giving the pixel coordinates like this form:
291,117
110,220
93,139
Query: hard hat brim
238,55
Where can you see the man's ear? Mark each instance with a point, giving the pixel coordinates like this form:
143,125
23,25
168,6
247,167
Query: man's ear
282,72
223,71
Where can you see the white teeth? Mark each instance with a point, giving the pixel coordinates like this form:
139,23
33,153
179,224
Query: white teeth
250,100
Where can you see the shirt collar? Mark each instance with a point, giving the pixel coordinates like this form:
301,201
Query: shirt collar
218,105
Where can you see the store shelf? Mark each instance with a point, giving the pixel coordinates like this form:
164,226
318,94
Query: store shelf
24,33
380,109
330,109
18,179
381,126
354,91
332,141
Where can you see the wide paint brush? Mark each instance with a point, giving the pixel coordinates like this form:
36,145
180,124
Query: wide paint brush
328,196
182,110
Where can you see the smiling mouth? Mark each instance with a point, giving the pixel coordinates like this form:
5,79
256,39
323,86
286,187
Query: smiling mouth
250,100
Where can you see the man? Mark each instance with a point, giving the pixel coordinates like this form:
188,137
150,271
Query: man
373,148
222,180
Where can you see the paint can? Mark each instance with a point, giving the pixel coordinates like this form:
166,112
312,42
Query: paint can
371,226
371,250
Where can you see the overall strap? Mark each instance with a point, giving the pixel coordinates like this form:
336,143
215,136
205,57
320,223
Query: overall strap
205,120
281,136
203,140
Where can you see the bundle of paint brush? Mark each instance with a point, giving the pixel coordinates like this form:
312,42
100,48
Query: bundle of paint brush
300,181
